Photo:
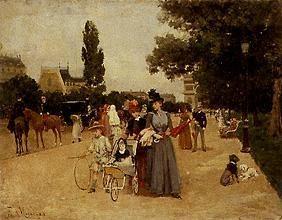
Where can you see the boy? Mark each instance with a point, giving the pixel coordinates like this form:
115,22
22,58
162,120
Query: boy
101,148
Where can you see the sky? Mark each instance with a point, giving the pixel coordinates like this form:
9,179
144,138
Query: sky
49,32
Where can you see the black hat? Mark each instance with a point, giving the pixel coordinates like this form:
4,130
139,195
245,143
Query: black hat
155,96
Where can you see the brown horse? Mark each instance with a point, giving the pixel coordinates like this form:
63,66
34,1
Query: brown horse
53,122
19,130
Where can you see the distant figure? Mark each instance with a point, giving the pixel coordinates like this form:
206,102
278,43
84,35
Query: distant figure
114,122
185,140
200,120
17,111
104,120
44,111
76,128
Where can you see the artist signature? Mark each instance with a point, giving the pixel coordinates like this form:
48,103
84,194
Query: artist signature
24,212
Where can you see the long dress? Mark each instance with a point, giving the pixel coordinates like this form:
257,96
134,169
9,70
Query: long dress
162,168
134,127
185,140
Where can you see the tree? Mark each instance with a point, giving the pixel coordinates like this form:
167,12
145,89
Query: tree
210,47
93,58
24,85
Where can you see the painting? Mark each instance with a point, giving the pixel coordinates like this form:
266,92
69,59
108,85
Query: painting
140,109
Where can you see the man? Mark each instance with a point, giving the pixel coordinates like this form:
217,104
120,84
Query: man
17,111
44,111
200,126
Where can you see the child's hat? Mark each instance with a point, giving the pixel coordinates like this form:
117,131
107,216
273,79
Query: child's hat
96,125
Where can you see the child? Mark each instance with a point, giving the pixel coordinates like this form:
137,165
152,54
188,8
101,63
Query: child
76,128
122,156
101,148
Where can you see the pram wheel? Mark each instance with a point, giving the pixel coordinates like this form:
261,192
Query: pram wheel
135,186
82,174
114,189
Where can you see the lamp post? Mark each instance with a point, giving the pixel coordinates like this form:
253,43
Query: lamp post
246,147
196,85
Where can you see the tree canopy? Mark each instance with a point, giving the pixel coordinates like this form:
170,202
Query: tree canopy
209,46
93,58
24,85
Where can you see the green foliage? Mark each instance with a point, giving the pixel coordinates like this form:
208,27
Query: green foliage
210,48
93,58
54,101
23,85
267,152
115,98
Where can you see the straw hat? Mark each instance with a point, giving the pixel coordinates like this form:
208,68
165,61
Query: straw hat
96,125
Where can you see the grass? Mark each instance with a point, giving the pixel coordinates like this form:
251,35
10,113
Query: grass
266,151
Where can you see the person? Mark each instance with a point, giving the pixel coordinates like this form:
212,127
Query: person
100,148
185,140
17,111
162,170
122,156
104,120
200,123
136,124
76,128
44,111
114,122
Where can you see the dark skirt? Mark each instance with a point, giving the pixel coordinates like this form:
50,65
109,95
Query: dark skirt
162,171
141,165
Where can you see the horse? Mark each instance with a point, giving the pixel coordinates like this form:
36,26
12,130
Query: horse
53,122
20,129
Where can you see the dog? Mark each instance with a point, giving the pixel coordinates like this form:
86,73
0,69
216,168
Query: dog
230,174
247,172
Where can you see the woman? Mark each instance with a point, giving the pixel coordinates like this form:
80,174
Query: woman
185,140
104,120
135,125
114,122
162,169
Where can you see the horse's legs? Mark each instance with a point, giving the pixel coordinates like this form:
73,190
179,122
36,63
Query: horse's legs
36,133
21,142
17,144
41,137
25,140
55,134
60,136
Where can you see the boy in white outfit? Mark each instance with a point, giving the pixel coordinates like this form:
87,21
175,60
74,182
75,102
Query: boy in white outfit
100,148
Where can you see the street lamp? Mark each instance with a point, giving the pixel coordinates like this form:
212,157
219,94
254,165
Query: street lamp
196,85
246,147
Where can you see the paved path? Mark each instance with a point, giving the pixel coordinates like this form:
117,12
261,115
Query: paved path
42,184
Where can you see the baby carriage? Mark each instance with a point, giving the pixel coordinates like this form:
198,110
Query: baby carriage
115,174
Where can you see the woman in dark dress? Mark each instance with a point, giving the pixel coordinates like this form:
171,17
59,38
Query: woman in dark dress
162,168
135,125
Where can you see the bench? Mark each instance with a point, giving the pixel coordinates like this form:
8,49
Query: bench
229,133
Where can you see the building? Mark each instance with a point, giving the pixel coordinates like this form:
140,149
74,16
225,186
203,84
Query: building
10,67
59,79
168,97
190,89
51,80
71,83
